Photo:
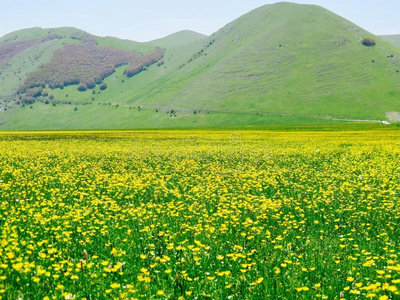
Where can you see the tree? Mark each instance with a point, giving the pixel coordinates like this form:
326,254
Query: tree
82,87
103,86
90,83
27,99
34,92
368,42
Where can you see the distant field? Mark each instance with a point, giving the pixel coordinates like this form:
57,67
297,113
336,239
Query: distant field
289,213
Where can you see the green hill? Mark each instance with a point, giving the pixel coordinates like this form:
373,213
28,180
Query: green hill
394,39
279,64
178,39
287,58
28,52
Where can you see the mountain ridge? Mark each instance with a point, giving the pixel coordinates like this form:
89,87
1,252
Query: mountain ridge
179,38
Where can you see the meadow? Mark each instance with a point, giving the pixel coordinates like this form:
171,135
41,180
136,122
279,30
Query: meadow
206,214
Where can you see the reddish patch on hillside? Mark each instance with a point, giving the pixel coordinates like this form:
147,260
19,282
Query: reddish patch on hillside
138,65
9,50
84,37
86,63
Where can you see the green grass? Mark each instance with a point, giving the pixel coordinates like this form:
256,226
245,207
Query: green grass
178,39
37,33
95,116
113,42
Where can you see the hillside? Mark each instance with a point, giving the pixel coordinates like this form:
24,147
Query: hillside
64,56
178,39
279,64
394,39
301,59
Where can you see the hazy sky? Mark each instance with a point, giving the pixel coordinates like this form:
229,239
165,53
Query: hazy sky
147,20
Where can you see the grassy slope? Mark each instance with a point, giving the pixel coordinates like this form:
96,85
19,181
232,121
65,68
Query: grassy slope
177,39
312,73
321,69
37,33
16,71
394,39
113,42
105,117
123,90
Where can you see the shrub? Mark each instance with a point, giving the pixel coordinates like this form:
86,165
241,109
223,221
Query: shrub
90,83
51,96
27,99
368,42
35,92
103,86
133,70
82,87
84,37
50,37
76,108
98,79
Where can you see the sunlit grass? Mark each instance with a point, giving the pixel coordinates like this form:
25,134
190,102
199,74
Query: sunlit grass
200,214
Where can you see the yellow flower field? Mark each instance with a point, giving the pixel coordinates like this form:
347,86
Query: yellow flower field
200,214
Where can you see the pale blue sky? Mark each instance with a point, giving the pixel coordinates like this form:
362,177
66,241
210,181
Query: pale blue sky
147,20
